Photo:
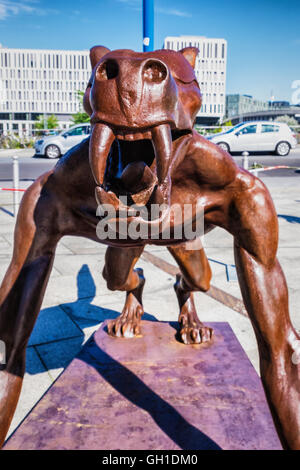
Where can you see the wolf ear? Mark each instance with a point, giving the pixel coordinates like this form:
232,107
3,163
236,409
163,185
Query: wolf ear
190,54
96,53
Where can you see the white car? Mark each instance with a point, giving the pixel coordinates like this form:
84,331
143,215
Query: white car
257,136
53,146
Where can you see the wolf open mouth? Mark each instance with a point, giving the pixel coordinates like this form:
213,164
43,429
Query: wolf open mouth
133,162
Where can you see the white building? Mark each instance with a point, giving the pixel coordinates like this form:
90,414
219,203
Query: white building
35,82
237,105
210,71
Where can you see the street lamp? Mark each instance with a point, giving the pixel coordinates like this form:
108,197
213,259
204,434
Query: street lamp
148,25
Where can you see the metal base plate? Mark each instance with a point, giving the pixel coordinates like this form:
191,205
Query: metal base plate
153,392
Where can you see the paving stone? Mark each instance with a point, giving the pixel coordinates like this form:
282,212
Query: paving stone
73,263
89,312
58,354
80,245
80,284
52,324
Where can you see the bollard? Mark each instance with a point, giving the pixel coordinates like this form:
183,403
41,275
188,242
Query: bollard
245,160
255,172
16,183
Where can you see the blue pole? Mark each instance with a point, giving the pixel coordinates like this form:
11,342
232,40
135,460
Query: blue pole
148,25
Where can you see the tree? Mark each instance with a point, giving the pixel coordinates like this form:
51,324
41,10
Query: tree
289,120
42,123
52,122
81,116
227,123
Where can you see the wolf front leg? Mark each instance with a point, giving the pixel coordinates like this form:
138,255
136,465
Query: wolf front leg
22,293
195,276
253,222
120,274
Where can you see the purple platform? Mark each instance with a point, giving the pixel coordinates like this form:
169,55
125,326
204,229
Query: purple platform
153,392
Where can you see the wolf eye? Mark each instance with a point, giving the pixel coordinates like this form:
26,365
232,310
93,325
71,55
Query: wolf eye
107,70
155,71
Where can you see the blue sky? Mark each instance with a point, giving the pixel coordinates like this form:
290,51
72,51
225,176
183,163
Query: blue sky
263,36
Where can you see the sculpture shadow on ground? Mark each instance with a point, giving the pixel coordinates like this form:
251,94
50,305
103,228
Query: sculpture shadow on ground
48,334
289,218
6,211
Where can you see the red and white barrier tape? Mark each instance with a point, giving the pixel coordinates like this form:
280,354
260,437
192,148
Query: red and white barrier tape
11,189
278,167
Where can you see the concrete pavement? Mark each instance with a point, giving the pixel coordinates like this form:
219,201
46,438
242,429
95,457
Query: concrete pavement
77,300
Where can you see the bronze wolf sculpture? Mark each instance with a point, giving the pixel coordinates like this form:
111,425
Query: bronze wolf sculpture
143,146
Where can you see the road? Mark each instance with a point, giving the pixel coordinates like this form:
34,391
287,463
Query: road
31,167
292,160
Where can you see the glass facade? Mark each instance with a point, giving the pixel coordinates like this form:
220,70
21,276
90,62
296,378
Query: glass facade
41,82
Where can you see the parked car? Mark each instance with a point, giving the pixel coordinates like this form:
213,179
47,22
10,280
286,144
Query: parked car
257,136
53,146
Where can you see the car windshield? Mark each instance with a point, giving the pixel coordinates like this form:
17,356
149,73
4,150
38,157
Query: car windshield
77,131
234,128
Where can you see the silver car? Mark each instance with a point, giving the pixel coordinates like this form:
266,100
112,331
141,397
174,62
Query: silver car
257,136
53,146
